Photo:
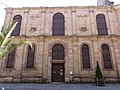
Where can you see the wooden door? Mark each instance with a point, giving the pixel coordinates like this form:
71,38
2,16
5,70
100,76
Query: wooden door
57,73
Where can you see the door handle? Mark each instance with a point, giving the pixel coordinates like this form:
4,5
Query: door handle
61,73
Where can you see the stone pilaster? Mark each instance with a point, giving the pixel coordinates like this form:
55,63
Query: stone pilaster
45,59
47,23
43,14
66,23
24,23
69,61
51,23
40,56
115,22
116,54
8,17
75,55
96,52
19,64
110,21
74,29
93,23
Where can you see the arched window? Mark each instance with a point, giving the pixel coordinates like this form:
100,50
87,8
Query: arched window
16,31
85,56
11,58
58,25
101,24
106,57
58,52
30,56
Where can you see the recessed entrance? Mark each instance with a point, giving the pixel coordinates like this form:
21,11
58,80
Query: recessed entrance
58,72
58,62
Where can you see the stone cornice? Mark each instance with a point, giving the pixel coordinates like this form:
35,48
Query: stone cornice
49,8
72,36
117,6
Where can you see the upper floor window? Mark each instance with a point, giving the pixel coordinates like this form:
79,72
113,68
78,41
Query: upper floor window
30,56
58,52
16,31
106,57
101,24
85,56
11,58
58,25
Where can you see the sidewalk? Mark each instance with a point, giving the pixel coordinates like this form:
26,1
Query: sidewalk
58,87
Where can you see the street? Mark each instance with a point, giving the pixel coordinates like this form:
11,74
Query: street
58,86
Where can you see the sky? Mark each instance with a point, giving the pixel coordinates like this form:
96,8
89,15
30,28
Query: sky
47,3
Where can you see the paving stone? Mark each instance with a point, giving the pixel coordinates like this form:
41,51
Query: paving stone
58,87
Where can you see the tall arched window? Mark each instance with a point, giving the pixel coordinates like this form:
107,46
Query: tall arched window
58,52
16,31
85,56
58,25
30,56
11,58
101,24
106,57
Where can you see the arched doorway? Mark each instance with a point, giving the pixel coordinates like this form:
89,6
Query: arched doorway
58,67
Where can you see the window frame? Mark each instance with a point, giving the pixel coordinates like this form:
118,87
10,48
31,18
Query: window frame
63,51
82,61
101,20
18,26
61,30
112,67
26,66
6,59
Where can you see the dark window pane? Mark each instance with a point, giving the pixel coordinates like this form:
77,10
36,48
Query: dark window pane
58,24
10,59
85,56
58,21
58,52
101,25
59,16
106,57
30,57
16,31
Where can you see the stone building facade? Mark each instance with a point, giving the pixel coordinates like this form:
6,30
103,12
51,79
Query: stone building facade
67,43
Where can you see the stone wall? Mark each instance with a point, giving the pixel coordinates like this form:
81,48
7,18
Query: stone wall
80,28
